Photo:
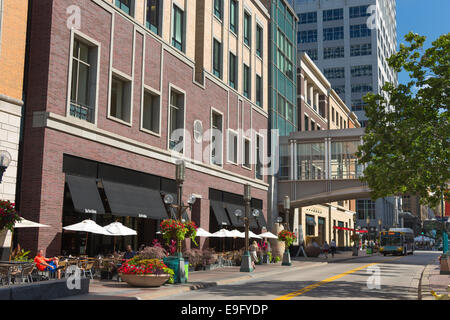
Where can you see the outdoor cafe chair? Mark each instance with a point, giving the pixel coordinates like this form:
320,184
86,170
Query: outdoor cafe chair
25,273
5,275
87,269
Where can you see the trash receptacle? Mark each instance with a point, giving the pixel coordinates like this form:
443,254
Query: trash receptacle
173,263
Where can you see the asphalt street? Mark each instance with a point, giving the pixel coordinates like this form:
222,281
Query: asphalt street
372,278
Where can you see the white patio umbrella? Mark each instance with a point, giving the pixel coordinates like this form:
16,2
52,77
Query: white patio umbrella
237,234
268,235
24,223
117,229
252,235
222,233
203,233
87,226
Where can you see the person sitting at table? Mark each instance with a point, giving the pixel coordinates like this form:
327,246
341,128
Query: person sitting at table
47,264
129,254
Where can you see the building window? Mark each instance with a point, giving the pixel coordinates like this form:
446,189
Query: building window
259,91
83,84
216,138
361,71
309,36
259,153
247,29
120,99
126,6
176,120
151,112
259,41
364,88
232,147
309,17
340,90
361,50
333,53
233,71
334,73
246,154
218,8
247,82
332,114
234,9
360,11
333,33
313,125
217,59
359,31
312,53
365,208
358,105
153,15
334,14
310,225
306,123
284,162
178,28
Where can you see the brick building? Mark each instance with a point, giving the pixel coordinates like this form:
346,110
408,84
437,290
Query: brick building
13,30
117,92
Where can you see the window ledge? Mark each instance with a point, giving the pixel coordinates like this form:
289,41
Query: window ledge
119,120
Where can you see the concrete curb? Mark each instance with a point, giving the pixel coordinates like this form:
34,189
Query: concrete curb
425,289
204,285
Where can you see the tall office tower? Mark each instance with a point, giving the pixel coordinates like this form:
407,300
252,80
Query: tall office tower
282,79
350,44
350,41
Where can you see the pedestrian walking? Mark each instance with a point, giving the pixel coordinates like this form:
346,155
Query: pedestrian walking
333,247
326,248
253,254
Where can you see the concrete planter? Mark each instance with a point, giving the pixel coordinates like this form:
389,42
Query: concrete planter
445,264
145,280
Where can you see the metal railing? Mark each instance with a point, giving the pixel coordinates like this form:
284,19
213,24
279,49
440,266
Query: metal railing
82,112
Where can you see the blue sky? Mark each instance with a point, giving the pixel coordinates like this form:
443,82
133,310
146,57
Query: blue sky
428,18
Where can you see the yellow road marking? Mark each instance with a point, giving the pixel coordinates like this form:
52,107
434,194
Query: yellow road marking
318,284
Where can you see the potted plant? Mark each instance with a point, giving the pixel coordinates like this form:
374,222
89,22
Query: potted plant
145,272
8,215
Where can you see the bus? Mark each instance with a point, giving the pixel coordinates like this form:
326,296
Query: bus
397,241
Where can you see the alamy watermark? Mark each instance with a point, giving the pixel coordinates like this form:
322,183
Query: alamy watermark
73,276
374,281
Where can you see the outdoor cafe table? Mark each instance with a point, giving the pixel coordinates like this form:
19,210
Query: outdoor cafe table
11,265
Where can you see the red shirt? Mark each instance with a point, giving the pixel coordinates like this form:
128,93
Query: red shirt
39,260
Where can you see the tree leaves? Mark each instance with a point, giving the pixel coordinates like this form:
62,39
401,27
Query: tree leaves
407,142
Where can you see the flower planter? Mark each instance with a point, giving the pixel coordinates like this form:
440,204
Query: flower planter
145,280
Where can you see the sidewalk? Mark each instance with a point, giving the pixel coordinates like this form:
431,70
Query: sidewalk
432,280
113,290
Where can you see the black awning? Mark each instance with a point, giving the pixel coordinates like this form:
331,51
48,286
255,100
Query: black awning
219,213
132,201
85,195
235,221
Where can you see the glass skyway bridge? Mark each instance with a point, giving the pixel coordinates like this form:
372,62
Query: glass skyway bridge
321,166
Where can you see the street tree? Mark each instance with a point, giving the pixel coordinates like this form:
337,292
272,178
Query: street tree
406,143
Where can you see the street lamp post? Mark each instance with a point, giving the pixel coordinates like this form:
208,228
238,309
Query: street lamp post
355,245
246,264
180,208
286,254
5,160
444,231
368,228
379,231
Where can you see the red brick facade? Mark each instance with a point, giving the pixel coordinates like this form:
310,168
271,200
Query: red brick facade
47,90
